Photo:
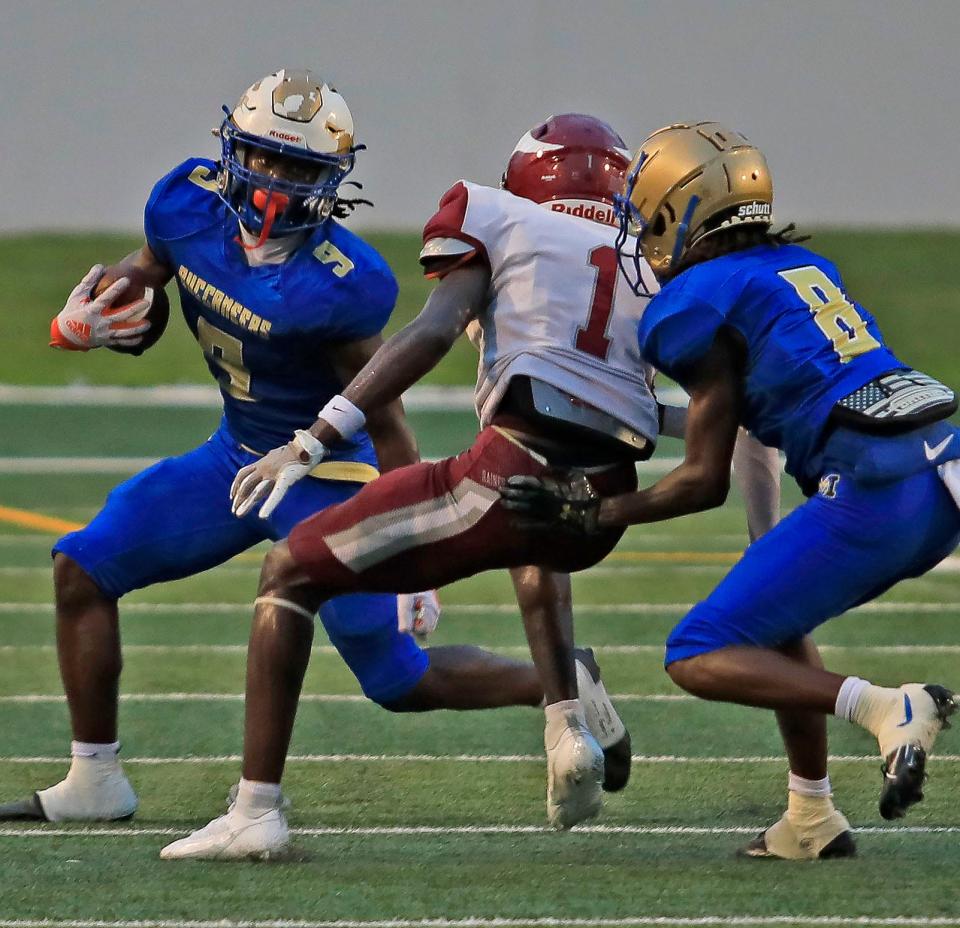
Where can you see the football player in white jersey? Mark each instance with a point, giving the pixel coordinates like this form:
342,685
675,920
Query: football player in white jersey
561,387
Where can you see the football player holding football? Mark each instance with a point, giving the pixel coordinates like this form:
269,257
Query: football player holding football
761,333
561,390
287,306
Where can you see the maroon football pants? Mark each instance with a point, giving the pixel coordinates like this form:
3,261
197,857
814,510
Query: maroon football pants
426,525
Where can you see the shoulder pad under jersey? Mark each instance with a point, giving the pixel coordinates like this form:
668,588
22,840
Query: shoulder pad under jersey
183,201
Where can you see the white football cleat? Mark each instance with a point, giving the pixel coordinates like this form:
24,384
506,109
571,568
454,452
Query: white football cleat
234,836
604,722
574,769
906,732
95,789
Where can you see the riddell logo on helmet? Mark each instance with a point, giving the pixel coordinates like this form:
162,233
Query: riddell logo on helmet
754,211
585,209
285,136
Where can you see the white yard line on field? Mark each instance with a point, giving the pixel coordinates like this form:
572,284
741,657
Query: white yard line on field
195,759
132,831
195,396
603,650
640,608
629,921
206,396
133,465
648,540
44,699
75,465
602,570
950,566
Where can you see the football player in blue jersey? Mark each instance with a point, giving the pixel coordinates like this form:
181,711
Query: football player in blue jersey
761,332
287,306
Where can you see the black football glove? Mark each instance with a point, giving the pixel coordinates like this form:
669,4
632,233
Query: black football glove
544,502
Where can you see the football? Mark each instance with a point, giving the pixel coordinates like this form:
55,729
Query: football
158,314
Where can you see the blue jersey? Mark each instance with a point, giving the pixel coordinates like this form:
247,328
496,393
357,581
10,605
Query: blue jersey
265,331
808,345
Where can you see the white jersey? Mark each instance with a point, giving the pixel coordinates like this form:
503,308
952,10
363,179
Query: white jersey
559,311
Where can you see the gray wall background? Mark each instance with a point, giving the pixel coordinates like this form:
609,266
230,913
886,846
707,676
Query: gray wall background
855,102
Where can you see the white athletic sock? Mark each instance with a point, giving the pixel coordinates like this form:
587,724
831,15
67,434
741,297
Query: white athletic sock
805,787
851,690
91,749
255,798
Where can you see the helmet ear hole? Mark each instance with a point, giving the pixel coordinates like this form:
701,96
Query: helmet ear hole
659,224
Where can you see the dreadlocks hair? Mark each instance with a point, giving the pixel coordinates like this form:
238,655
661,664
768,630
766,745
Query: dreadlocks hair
737,237
344,206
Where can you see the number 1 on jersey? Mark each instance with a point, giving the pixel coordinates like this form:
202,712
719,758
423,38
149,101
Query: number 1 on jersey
592,338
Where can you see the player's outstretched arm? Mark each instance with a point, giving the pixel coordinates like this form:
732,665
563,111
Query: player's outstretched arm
417,348
396,366
392,437
756,469
701,482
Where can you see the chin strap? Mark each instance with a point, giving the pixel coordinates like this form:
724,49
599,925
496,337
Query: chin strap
270,204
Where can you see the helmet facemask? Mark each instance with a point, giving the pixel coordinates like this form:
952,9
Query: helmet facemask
631,223
273,206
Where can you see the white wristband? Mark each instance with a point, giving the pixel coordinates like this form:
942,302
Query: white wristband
343,416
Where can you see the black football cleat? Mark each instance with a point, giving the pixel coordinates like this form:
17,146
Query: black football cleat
23,810
604,722
617,760
904,770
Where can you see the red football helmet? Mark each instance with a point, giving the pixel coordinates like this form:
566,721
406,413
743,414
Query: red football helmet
573,163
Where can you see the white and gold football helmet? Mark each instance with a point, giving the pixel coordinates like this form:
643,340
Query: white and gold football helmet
304,124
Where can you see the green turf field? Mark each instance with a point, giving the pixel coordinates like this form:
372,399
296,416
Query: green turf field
406,819
441,816
906,278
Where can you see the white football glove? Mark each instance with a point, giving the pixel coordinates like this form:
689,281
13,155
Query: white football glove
275,473
418,613
86,323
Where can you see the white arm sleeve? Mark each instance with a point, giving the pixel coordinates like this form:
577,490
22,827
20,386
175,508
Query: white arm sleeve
756,468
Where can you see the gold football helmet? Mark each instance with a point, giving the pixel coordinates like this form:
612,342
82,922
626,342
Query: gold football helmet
687,182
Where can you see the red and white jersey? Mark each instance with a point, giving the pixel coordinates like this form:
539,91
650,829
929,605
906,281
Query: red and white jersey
559,310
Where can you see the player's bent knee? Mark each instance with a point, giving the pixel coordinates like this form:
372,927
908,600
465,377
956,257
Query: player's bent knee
75,589
392,671
278,572
397,704
692,674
